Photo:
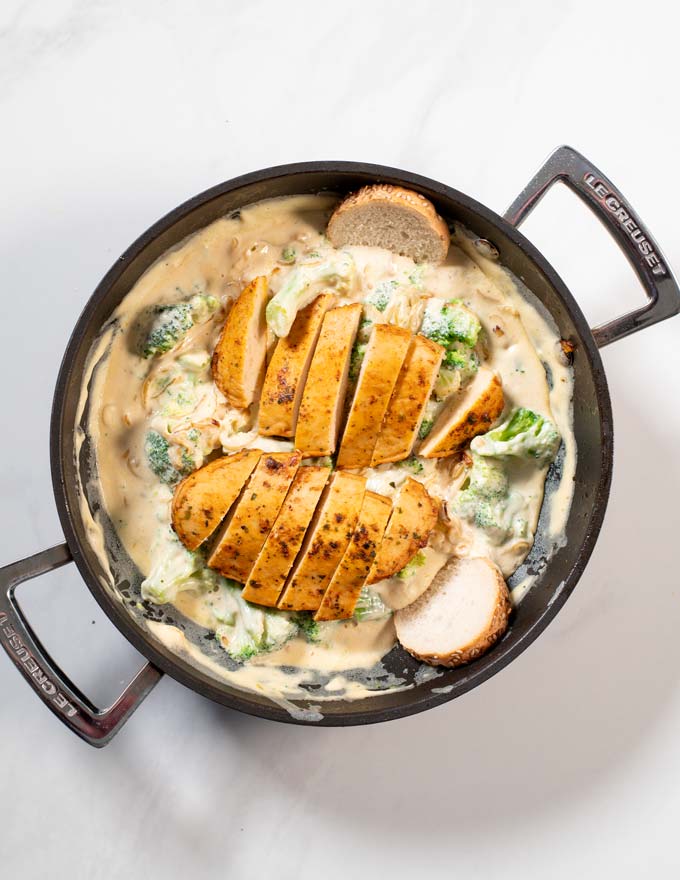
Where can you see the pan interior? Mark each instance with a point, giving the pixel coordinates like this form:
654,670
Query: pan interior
405,686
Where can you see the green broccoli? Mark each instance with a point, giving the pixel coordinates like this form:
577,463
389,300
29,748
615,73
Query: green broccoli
307,626
425,428
381,296
301,288
487,502
158,454
288,255
412,464
370,606
356,359
450,322
170,323
526,434
412,567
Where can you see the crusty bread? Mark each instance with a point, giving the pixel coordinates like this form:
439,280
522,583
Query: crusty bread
459,617
391,217
465,416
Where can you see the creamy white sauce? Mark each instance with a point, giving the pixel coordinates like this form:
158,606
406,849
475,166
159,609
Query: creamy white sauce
122,391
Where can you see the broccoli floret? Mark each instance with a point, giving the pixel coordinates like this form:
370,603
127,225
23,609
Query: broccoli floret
157,450
412,464
425,428
365,327
412,567
288,255
450,322
170,323
448,382
370,606
307,626
526,434
381,296
488,503
356,359
301,288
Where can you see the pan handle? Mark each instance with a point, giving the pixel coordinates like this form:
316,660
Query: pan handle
60,695
623,224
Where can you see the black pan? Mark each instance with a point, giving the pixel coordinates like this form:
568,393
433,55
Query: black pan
557,576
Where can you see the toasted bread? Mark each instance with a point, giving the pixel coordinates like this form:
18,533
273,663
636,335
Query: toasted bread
391,217
461,615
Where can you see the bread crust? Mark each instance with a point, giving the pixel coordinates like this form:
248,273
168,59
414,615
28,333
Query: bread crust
388,193
498,624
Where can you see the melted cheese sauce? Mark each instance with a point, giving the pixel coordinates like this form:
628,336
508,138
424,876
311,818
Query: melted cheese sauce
124,393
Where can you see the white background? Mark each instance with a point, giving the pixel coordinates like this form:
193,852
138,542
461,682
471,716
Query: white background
566,764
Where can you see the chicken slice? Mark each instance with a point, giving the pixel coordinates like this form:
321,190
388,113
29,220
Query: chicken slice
325,542
399,430
276,558
385,353
465,415
286,374
202,500
318,421
343,591
246,529
414,515
239,356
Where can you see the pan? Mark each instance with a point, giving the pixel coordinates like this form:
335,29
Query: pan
556,576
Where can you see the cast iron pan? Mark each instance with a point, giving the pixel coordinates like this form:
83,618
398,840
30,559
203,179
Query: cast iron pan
557,575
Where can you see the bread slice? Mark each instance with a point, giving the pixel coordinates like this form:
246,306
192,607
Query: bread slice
287,371
325,543
399,430
276,558
239,356
459,617
385,353
414,515
202,500
342,593
465,415
318,423
391,217
245,530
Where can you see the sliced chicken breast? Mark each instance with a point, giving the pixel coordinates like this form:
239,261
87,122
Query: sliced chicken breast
414,515
399,430
202,500
460,616
286,374
343,591
385,353
318,422
276,558
246,529
239,356
325,543
465,415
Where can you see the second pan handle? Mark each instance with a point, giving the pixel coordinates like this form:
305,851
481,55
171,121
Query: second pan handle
630,233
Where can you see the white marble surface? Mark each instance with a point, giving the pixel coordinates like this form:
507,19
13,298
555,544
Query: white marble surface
565,764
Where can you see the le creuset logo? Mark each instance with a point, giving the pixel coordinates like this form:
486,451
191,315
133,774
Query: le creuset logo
626,222
24,655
